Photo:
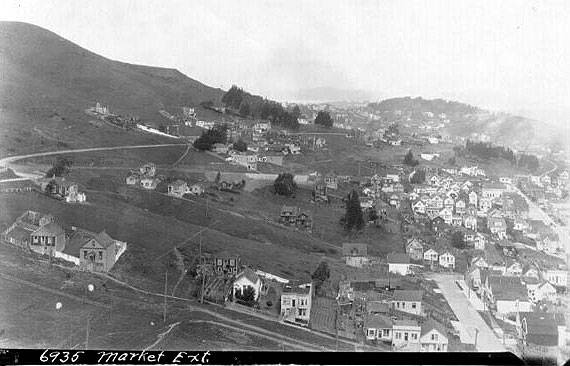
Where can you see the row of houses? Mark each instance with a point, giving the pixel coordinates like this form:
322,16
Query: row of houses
45,235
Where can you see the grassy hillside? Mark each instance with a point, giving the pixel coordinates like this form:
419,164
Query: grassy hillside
47,83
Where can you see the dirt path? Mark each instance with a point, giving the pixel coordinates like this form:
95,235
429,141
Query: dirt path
162,335
180,265
182,156
239,324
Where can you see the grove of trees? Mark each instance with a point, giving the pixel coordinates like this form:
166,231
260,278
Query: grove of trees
60,167
353,218
324,119
285,184
215,135
409,159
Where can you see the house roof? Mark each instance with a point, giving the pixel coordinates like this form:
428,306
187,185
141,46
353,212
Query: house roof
430,324
398,258
249,274
508,289
406,323
19,233
80,237
289,209
377,321
178,183
493,186
51,228
377,307
408,295
354,249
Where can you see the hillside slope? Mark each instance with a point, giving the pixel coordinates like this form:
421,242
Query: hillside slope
47,82
464,120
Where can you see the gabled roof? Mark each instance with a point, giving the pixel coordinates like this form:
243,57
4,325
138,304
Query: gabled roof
430,324
80,237
249,274
377,321
354,249
400,258
508,289
51,228
408,295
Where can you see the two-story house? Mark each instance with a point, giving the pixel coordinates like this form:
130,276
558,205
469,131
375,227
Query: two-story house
296,304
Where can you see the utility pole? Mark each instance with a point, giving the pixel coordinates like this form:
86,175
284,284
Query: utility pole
336,324
207,205
165,286
202,270
476,336
87,334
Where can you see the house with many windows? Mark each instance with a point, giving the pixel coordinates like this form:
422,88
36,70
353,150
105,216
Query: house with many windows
406,336
296,304
409,301
433,337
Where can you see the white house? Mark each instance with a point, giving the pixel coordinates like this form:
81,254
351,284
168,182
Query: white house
473,198
431,255
378,327
557,277
433,338
447,260
296,304
406,336
246,278
419,207
470,222
399,263
409,301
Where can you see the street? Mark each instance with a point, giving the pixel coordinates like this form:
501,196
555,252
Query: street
469,318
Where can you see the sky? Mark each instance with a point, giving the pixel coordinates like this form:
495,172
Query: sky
503,55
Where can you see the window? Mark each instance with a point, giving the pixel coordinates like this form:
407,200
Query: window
398,335
101,255
415,336
403,305
85,256
371,332
293,302
405,336
413,305
385,332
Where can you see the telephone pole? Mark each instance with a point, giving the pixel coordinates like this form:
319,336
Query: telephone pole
203,272
165,286
87,334
476,336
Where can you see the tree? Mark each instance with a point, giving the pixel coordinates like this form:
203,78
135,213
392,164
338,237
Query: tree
285,184
50,187
244,109
207,104
60,168
418,176
240,146
246,295
296,112
162,128
324,119
215,135
321,274
451,161
353,216
458,240
409,159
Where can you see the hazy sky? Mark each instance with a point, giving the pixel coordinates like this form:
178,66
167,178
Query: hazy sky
507,55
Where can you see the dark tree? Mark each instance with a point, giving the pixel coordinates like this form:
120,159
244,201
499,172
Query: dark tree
50,187
458,240
322,273
409,159
324,119
451,161
247,296
296,112
240,146
353,216
207,104
372,215
218,134
162,128
60,168
244,109
285,184
418,176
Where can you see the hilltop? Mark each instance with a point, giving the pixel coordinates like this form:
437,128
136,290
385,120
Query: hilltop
48,82
465,120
